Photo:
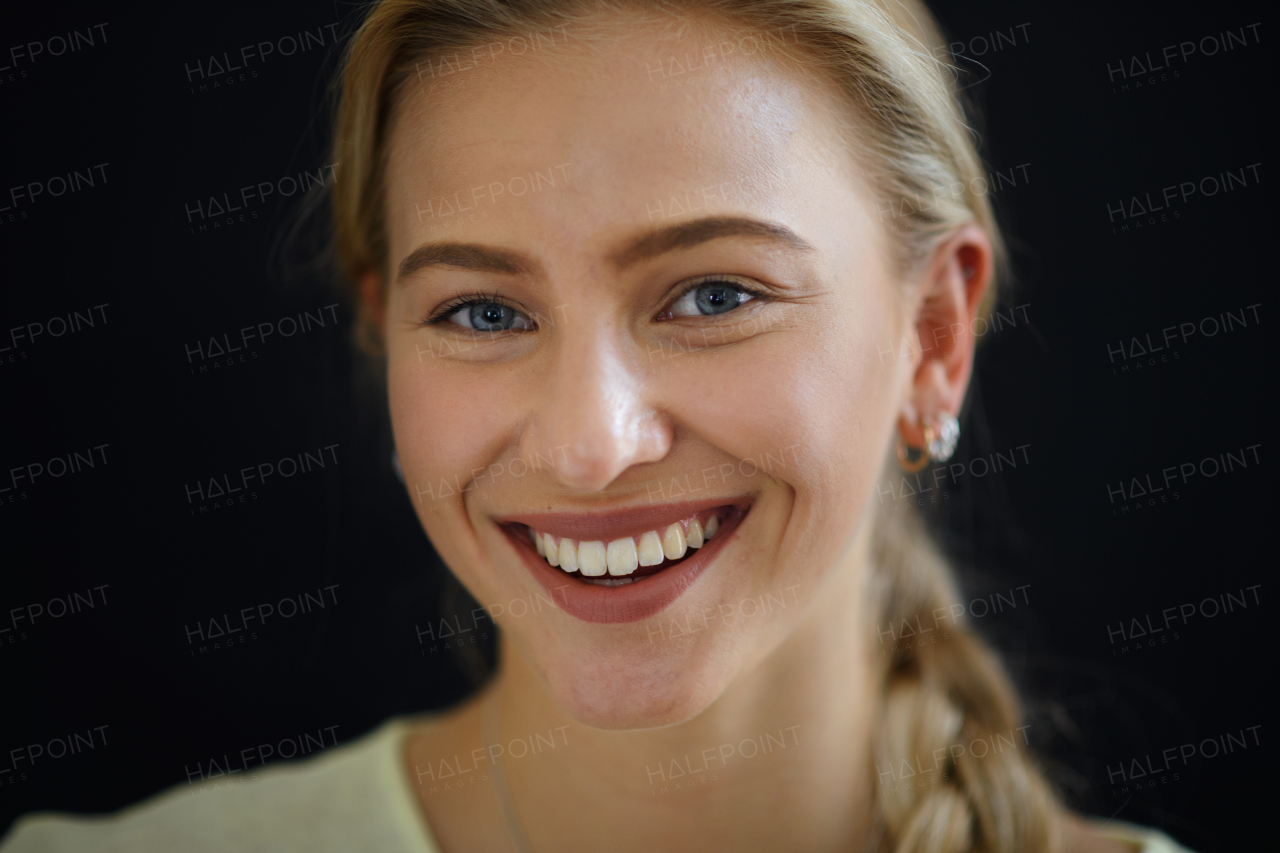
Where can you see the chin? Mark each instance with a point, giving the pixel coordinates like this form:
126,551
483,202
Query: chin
645,695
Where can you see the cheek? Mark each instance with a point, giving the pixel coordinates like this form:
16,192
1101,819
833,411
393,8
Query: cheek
809,406
444,431
447,424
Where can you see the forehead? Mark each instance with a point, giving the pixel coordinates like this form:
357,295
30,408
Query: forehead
630,114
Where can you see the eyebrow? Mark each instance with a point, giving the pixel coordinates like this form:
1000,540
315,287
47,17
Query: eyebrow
467,256
685,235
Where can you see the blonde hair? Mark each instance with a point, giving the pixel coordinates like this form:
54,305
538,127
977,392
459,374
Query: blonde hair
912,141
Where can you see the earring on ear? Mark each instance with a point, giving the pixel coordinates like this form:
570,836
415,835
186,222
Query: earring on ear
941,435
910,457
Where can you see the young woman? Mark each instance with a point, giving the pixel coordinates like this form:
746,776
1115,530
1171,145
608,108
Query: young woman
665,292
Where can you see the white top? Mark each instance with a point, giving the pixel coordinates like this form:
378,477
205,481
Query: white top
355,797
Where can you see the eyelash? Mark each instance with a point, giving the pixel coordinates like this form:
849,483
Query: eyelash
447,310
444,312
700,281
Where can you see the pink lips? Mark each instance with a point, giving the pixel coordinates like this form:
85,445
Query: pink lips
615,524
632,602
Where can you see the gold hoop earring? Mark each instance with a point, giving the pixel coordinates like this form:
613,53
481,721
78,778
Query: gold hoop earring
911,458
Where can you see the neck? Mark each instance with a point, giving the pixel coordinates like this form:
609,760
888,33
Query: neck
781,760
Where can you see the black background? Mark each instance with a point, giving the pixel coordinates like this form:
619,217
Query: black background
1053,382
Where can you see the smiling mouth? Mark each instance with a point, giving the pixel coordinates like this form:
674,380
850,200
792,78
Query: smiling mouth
631,559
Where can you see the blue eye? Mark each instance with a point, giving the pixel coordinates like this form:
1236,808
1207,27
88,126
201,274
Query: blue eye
714,297
488,317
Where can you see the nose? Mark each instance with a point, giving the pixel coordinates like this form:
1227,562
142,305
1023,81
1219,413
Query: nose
592,416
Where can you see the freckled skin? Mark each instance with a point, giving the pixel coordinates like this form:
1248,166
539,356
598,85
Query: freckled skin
621,403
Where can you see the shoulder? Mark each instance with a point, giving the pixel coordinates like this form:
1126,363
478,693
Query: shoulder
351,797
1090,835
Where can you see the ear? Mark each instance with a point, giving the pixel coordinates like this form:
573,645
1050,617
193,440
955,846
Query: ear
373,298
957,276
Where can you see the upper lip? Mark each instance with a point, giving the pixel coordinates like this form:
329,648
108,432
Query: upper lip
609,524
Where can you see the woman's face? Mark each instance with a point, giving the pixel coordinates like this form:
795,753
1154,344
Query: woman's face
630,293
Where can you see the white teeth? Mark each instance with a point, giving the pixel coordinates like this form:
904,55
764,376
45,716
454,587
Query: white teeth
650,550
592,559
622,556
568,555
695,534
674,544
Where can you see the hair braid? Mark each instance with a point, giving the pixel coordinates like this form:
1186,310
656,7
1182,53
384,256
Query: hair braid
945,698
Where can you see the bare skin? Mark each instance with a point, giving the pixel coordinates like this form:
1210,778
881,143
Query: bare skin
615,383
468,816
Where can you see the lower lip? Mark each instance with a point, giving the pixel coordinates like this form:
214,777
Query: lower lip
630,602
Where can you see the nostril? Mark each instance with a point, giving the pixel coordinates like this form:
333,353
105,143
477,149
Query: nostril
590,465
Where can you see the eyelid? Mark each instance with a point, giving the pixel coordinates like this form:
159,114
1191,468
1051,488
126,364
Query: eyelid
746,285
741,281
452,306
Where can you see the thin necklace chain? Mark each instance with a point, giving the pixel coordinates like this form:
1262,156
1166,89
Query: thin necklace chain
492,735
